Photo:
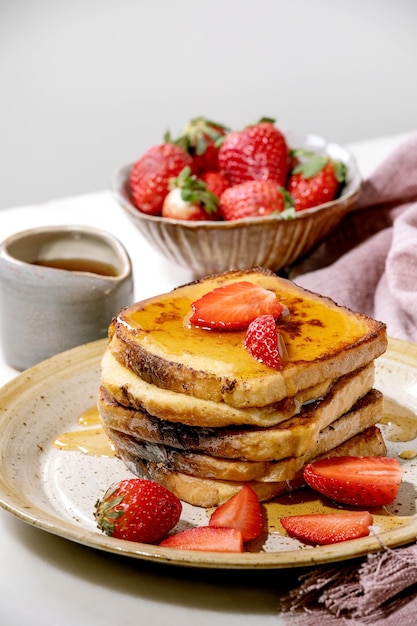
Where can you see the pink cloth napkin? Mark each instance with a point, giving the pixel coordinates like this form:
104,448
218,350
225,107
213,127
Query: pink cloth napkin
379,590
369,264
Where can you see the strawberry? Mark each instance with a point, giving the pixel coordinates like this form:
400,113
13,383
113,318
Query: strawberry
216,182
258,152
325,528
234,306
241,512
176,208
137,510
264,343
254,198
316,179
357,481
189,199
149,176
206,538
199,138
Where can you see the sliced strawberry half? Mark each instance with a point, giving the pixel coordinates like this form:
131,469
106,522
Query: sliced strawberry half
206,538
242,512
325,528
234,306
358,481
264,343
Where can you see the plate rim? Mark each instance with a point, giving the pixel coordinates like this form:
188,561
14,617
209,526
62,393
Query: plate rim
87,355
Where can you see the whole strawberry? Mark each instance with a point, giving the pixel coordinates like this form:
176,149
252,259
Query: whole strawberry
216,182
189,199
150,174
314,180
137,510
258,152
199,138
254,198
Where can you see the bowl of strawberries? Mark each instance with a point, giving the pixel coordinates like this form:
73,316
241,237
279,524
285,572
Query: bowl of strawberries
216,199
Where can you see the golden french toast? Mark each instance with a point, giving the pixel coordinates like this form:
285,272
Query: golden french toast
293,437
239,378
362,415
207,492
324,341
131,391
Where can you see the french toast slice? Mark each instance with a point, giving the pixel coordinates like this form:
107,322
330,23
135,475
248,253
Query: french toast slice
365,413
131,391
206,493
293,437
324,341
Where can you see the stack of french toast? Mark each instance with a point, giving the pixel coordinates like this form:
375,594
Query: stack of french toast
191,408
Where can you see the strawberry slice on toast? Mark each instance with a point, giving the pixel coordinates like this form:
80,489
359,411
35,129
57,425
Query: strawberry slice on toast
234,306
264,343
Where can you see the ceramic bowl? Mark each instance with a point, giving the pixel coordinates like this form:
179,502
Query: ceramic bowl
211,247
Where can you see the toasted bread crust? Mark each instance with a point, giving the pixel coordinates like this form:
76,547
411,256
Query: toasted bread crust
324,340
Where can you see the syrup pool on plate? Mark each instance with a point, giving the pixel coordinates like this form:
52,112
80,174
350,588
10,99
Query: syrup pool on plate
91,439
401,423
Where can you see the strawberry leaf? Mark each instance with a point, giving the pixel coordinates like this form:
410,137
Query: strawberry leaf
288,199
194,190
287,214
201,146
311,167
301,153
270,120
340,171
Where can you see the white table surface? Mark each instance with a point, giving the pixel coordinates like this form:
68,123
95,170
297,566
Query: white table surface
48,581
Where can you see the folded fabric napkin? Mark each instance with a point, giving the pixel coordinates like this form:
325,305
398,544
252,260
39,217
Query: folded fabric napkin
369,264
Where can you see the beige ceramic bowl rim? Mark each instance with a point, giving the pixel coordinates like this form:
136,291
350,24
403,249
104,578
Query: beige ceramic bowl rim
92,231
351,191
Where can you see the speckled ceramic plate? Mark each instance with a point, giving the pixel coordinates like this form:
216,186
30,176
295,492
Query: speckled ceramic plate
55,489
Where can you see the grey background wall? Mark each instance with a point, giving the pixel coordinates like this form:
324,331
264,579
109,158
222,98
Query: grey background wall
86,85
